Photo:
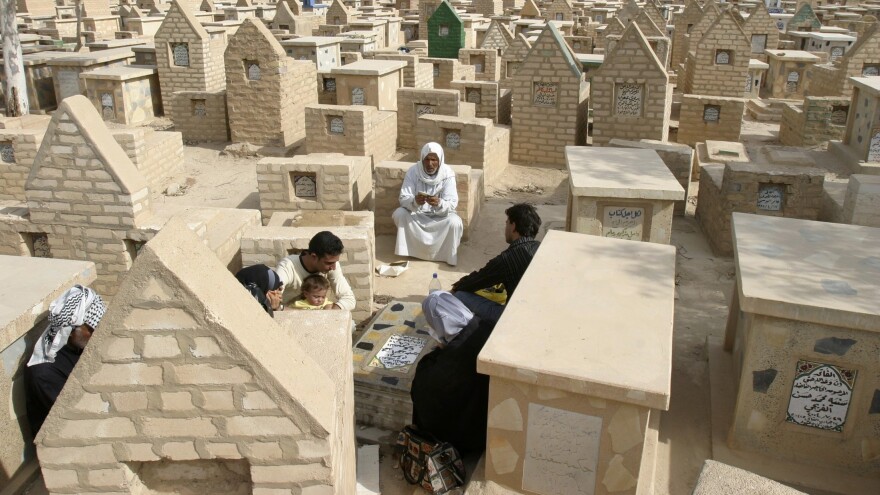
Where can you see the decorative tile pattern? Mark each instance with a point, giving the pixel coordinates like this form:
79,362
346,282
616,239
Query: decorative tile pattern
7,153
453,140
820,395
180,53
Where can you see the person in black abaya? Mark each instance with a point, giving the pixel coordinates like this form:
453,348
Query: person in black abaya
450,399
264,284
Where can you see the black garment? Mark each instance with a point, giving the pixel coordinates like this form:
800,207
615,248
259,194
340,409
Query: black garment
43,382
507,268
258,280
450,399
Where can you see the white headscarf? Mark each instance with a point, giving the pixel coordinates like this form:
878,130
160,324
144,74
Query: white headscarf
77,306
443,171
446,315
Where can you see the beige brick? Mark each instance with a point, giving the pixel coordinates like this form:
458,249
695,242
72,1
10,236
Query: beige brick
289,474
207,374
257,426
127,374
92,454
98,428
160,346
164,427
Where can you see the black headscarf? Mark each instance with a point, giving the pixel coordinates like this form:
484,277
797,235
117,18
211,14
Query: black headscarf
258,280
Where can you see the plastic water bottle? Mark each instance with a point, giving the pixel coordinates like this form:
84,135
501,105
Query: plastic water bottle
434,285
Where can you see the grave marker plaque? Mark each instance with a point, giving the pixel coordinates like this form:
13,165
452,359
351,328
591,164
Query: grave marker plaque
836,53
107,106
68,82
711,113
337,125
305,185
791,84
180,54
759,43
7,153
253,71
473,95
623,222
453,140
399,353
424,110
629,99
870,70
330,85
874,147
820,395
562,451
357,96
545,94
770,197
200,108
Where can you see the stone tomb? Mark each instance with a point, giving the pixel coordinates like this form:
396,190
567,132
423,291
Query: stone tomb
123,94
785,79
803,330
369,82
777,190
413,103
385,360
624,193
678,158
356,130
861,205
191,384
569,416
860,148
322,50
66,70
30,285
317,181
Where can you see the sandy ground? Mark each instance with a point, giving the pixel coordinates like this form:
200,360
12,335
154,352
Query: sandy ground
703,286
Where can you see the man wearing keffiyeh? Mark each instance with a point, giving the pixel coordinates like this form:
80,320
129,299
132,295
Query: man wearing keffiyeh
72,319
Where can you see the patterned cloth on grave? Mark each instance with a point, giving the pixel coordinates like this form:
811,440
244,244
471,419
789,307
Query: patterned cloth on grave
385,360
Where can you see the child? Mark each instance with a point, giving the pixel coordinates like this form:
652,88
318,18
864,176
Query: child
313,293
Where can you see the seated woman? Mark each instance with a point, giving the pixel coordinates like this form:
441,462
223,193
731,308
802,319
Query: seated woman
264,284
427,226
450,399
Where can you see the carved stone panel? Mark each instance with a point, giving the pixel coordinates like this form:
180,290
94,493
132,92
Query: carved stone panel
723,57
711,113
424,110
7,153
336,125
770,197
453,140
305,184
357,96
253,71
473,95
628,99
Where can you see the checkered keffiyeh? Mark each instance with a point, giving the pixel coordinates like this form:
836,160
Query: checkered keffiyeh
79,305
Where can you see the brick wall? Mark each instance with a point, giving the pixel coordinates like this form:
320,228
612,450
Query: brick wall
861,206
472,141
210,125
365,131
815,122
631,66
484,96
266,92
706,75
487,59
543,124
205,72
738,190
269,245
412,101
691,15
693,128
18,148
158,155
341,183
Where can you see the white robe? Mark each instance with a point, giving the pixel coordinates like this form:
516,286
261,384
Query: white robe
428,232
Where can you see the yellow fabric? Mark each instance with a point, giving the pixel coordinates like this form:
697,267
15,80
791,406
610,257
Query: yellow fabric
495,294
303,304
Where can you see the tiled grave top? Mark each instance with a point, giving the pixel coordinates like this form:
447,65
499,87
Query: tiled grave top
620,173
818,272
92,58
399,323
313,41
869,85
30,285
757,64
792,55
370,67
119,72
608,334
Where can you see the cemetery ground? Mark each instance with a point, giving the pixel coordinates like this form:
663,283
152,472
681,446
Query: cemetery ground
703,282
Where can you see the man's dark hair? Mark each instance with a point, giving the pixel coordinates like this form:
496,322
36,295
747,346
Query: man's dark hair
325,243
525,218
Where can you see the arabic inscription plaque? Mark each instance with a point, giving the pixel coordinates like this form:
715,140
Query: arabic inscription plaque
304,186
623,222
820,395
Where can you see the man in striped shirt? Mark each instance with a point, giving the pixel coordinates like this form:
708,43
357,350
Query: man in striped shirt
507,268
